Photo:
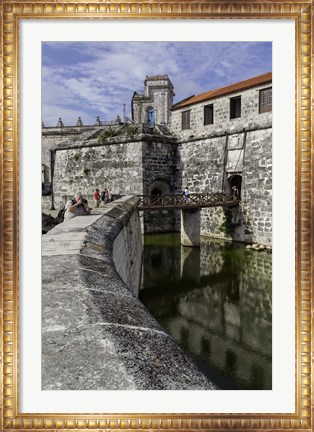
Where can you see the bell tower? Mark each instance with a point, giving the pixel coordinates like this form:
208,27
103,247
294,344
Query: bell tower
153,107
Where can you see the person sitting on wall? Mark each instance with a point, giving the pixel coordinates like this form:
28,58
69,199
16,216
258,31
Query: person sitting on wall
78,206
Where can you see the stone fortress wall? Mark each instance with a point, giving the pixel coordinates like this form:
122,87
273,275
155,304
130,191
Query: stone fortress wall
95,333
202,168
211,154
159,174
165,158
117,166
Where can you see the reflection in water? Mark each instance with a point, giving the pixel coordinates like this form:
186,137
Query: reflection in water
216,302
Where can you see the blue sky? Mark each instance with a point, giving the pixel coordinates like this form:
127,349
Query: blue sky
90,79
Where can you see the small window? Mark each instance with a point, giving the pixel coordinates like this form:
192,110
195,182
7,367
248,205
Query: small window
186,120
265,100
151,117
208,114
235,107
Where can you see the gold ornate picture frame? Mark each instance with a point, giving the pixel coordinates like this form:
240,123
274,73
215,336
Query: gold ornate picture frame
301,12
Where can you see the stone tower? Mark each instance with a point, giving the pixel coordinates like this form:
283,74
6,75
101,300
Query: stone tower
153,107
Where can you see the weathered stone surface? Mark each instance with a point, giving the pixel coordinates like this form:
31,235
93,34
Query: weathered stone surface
125,258
116,166
70,309
95,333
159,173
157,96
204,173
117,358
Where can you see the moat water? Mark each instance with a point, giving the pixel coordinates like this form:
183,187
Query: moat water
216,302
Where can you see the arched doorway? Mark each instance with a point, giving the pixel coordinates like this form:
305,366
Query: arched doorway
235,180
159,187
156,191
151,117
159,220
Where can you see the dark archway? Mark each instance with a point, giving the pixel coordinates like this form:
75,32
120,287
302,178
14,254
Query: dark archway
159,220
156,191
159,187
235,180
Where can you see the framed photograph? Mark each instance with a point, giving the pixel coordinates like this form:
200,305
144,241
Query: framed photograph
201,104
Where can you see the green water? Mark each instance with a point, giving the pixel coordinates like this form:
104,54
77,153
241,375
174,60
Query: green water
215,301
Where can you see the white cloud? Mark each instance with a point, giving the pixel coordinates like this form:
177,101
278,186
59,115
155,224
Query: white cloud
98,78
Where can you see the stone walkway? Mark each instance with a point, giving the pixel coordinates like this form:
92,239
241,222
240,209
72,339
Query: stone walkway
95,334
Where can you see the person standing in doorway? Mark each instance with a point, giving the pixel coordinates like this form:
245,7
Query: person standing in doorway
235,193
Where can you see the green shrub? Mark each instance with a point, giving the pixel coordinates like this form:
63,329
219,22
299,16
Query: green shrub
131,131
227,227
105,134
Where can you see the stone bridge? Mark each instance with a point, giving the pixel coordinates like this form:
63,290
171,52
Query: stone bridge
96,335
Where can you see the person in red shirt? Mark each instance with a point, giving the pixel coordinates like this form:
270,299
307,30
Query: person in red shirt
96,198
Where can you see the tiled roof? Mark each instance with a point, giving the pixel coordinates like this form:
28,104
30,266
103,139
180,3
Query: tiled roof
222,91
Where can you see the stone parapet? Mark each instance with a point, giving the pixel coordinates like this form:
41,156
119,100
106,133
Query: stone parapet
95,334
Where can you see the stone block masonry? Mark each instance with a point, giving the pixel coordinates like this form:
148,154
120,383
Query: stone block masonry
122,165
95,334
256,207
128,252
159,163
201,167
116,166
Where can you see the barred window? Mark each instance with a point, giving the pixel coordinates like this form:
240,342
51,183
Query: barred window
186,120
265,100
208,114
235,107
